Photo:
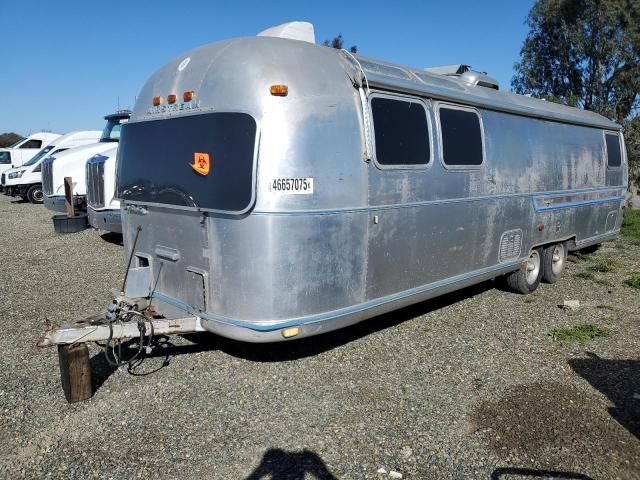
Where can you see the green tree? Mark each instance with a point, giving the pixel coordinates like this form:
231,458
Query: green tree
338,42
7,139
586,53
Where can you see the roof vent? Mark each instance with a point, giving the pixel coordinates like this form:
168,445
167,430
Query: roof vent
302,31
457,69
468,76
479,78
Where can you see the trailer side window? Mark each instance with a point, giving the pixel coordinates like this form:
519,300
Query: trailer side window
5,158
401,132
32,144
461,137
614,155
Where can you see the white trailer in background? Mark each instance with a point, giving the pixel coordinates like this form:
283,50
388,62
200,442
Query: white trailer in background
72,164
20,152
26,181
103,208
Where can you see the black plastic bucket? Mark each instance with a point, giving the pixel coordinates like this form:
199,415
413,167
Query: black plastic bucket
65,224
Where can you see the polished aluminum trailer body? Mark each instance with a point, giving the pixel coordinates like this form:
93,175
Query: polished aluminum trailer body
370,238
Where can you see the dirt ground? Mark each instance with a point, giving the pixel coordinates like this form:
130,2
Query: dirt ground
469,385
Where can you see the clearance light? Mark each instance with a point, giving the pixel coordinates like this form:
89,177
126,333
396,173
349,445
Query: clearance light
157,101
290,332
172,98
187,96
279,90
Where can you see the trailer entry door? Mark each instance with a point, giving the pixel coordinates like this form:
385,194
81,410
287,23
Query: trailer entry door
204,161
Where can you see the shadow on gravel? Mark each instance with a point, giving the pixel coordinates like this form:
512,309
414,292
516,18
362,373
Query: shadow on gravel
310,346
115,238
102,369
554,424
278,464
501,473
619,380
274,352
19,200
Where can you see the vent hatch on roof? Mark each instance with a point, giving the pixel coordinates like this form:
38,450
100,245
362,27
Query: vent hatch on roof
302,31
464,73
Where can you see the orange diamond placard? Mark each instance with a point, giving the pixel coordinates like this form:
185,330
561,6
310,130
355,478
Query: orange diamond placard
201,163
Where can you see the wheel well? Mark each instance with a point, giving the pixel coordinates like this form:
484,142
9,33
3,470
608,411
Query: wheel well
570,242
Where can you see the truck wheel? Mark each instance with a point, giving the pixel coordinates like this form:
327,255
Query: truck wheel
526,279
553,261
75,372
35,194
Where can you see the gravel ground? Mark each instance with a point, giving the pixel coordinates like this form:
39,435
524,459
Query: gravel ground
466,386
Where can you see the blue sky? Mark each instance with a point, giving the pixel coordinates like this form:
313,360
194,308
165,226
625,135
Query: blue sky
66,63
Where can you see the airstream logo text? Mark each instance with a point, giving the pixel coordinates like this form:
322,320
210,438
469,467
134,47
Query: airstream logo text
182,107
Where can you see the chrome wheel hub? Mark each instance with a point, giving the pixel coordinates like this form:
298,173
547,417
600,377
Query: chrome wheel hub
557,259
533,267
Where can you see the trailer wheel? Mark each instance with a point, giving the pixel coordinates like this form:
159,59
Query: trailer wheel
75,372
526,279
553,261
35,194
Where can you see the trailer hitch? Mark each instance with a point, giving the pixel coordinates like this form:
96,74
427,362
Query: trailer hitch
119,322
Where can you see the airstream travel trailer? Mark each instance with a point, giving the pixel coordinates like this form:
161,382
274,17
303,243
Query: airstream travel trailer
26,181
103,209
274,189
20,152
72,164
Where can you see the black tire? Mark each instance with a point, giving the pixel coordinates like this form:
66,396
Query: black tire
35,194
526,279
554,259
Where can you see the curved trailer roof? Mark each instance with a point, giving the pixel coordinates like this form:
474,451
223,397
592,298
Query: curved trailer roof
449,88
263,53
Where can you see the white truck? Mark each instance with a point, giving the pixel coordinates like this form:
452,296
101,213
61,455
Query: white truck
72,164
26,181
103,208
20,152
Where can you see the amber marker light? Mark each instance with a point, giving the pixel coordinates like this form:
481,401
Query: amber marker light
279,90
290,332
157,101
187,96
172,98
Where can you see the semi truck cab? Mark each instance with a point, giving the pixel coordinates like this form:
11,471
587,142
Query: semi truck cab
72,164
21,151
26,181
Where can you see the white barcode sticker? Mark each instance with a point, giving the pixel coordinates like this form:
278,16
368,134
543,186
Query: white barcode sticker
292,186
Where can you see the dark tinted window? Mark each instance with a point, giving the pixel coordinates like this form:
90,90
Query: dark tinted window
32,144
5,158
401,132
614,155
461,137
159,161
36,158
